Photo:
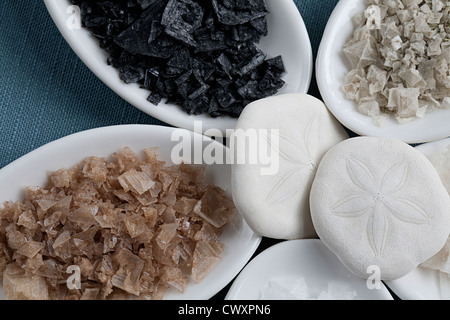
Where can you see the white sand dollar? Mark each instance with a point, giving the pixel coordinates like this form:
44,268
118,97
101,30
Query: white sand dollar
298,129
379,202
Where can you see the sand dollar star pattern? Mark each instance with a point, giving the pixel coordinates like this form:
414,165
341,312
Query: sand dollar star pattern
378,202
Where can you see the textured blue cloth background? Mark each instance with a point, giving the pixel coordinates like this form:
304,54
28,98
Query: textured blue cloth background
46,92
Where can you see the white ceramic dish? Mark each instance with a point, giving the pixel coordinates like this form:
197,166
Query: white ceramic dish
422,283
287,36
31,170
309,259
331,67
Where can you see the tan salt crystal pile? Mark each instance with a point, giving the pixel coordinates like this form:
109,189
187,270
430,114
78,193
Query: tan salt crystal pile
134,227
399,56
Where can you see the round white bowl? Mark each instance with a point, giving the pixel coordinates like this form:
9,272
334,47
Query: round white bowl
31,170
309,259
287,37
331,67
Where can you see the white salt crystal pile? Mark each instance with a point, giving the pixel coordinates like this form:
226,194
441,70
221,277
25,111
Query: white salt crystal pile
297,289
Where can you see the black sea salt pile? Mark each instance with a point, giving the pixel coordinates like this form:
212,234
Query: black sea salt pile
201,55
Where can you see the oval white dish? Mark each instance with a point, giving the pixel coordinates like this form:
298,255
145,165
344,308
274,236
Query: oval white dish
331,67
287,37
421,283
31,170
289,260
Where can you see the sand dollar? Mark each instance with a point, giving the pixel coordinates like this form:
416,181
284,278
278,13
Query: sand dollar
379,203
296,130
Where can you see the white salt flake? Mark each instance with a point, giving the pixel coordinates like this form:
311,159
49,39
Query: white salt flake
296,289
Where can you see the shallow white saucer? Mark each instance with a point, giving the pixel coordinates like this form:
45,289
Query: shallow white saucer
287,37
31,170
308,259
331,67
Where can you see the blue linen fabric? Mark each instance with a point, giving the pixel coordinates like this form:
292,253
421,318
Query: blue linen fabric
46,92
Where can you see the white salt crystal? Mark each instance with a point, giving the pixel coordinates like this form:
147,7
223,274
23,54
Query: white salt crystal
397,43
341,292
285,289
325,296
297,289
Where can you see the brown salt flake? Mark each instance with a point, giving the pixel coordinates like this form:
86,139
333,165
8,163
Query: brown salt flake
33,193
146,199
49,269
27,220
174,278
45,205
84,216
124,195
33,264
90,293
52,220
128,274
105,221
152,163
207,233
64,252
151,156
168,256
4,260
185,205
84,264
20,286
64,177
87,236
160,208
136,225
63,203
84,193
156,189
195,173
104,270
95,169
189,228
145,237
169,215
159,290
15,239
110,241
30,249
125,160
211,209
205,258
11,211
169,198
151,215
167,232
166,179
62,239
137,182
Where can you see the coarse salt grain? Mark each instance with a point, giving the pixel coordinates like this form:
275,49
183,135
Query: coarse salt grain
295,288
